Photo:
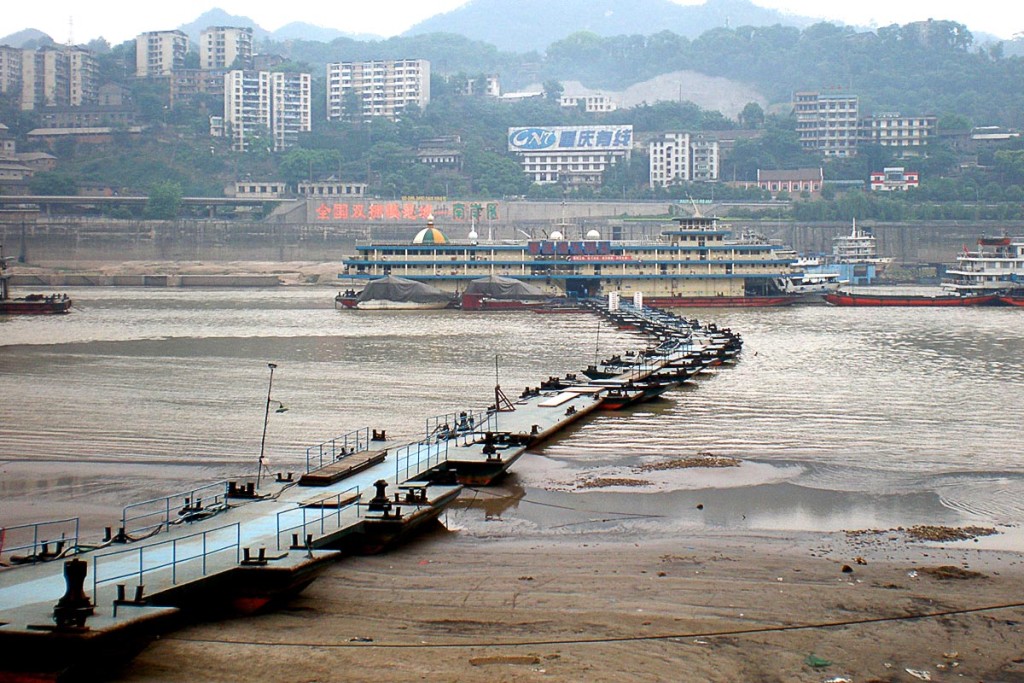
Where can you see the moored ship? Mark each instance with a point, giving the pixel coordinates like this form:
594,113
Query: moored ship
694,262
995,266
854,258
32,304
895,299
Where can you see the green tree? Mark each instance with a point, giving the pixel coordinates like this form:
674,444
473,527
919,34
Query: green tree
164,201
53,183
752,116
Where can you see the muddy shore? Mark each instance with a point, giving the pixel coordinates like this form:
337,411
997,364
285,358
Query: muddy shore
771,607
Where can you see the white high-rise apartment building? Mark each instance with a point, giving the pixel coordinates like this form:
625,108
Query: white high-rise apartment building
57,77
682,157
291,108
159,53
260,103
221,46
827,122
379,88
83,76
10,68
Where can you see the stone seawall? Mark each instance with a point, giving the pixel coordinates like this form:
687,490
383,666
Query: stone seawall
77,242
49,280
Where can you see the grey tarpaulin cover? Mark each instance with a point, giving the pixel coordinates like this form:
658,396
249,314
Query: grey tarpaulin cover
498,287
394,288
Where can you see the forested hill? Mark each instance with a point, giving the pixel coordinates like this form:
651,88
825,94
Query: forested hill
930,67
924,67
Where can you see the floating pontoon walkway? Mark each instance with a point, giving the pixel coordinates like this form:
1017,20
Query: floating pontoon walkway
239,547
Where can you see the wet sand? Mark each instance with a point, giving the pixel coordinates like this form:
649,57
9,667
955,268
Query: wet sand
771,607
494,600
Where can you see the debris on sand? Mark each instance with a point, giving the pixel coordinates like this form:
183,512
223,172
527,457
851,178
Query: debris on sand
605,482
949,573
924,532
702,459
525,660
927,532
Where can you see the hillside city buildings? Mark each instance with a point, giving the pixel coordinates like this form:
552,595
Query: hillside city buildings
376,88
225,47
570,155
267,109
160,53
683,157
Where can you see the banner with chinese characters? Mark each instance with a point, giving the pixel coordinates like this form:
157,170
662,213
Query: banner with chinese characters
570,138
399,211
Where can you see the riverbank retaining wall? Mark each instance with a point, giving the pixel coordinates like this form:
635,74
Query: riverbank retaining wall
68,241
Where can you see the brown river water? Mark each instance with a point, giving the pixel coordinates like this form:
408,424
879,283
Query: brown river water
842,417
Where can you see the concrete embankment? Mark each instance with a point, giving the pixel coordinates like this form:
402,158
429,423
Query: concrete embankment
51,280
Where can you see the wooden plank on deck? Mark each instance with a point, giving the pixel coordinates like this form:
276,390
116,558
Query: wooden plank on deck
345,466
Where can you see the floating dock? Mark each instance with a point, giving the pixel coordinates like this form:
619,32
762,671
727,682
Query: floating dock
238,547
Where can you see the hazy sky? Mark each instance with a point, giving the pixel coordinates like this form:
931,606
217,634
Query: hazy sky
118,20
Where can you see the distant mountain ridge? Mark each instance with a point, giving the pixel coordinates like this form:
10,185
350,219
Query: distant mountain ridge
527,25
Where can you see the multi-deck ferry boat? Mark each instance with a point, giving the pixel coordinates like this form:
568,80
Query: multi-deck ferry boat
854,259
694,262
995,266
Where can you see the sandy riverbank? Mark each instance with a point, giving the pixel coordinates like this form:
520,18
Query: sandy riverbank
491,599
713,608
288,272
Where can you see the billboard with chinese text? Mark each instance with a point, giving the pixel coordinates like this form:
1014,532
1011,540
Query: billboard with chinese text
399,211
570,138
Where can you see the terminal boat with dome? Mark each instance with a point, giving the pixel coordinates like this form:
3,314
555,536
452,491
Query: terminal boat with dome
693,261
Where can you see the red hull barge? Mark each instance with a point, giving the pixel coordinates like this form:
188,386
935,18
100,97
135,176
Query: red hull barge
35,304
716,301
1012,299
846,299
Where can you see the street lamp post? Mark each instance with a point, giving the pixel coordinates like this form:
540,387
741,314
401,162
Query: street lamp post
266,418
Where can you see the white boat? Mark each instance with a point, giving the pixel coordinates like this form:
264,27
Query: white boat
996,265
809,283
860,246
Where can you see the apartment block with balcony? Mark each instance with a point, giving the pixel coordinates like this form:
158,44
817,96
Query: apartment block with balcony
225,47
10,68
827,123
379,88
291,108
893,130
260,103
44,79
681,157
160,53
83,76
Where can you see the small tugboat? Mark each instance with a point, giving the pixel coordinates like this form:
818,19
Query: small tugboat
33,304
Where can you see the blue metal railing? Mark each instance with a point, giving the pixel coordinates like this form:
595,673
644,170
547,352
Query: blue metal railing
173,553
157,511
41,537
327,452
416,458
317,517
464,424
